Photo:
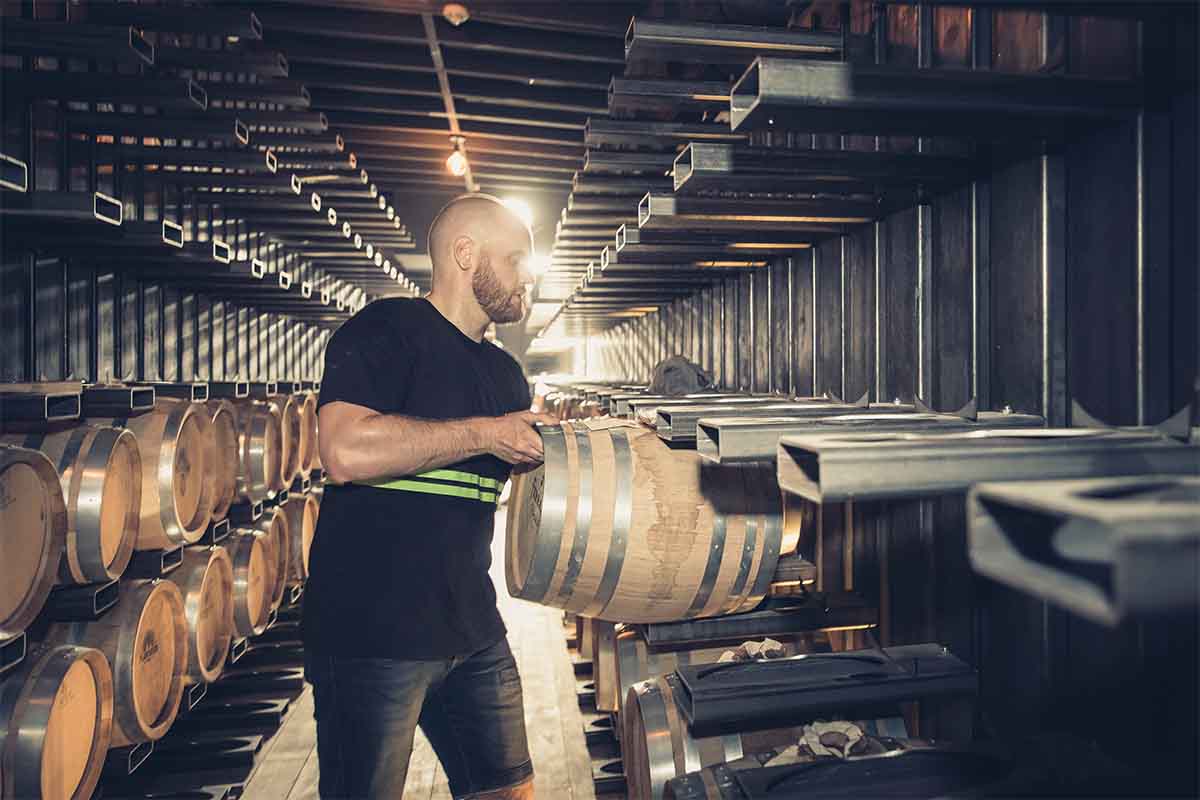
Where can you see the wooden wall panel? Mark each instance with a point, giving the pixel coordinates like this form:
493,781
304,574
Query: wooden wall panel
761,341
744,349
952,36
1102,273
1016,40
781,349
803,325
172,320
1103,46
730,335
15,310
80,289
951,322
830,332
130,334
899,289
49,311
1016,287
859,322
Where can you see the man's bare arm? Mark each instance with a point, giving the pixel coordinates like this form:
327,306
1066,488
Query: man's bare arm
359,444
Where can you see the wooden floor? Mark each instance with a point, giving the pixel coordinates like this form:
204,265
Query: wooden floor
288,768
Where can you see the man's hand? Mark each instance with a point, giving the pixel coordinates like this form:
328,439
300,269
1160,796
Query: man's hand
512,438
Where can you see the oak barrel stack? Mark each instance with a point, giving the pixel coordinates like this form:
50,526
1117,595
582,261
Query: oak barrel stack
223,471
616,525
274,531
145,639
176,448
33,530
56,717
288,412
302,512
101,475
205,580
253,579
260,460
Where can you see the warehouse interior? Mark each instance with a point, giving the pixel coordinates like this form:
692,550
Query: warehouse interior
931,220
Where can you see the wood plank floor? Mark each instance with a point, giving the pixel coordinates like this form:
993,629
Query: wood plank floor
288,768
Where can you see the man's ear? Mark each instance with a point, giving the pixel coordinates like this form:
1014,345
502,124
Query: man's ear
464,252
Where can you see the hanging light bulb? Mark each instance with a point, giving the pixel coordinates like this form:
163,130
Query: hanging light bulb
457,161
457,164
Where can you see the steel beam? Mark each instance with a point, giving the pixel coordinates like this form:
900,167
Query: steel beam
186,126
677,252
92,87
120,44
603,132
731,439
710,43
582,184
263,63
833,215
1111,550
633,163
704,167
627,96
843,98
233,22
677,424
838,467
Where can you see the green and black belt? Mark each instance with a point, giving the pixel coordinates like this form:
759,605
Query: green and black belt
445,482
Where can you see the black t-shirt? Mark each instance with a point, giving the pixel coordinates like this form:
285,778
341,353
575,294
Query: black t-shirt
402,572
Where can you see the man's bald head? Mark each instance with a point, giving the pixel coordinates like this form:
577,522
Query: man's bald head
480,217
479,245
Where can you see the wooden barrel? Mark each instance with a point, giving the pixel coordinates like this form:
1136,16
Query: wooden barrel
253,577
56,717
260,464
618,526
145,639
205,579
288,411
33,530
307,402
223,471
101,475
302,511
176,447
656,744
276,536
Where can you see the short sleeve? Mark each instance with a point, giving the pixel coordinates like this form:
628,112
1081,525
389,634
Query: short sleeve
354,368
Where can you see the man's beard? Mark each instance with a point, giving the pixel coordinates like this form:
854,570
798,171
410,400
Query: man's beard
501,304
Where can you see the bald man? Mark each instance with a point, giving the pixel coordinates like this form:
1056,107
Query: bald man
421,422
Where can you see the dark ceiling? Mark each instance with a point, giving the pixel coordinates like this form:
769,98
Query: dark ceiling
518,80
522,80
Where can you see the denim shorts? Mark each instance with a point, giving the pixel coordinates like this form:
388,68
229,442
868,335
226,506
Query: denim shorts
367,710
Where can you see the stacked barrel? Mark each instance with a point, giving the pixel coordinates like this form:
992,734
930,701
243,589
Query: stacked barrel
81,500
